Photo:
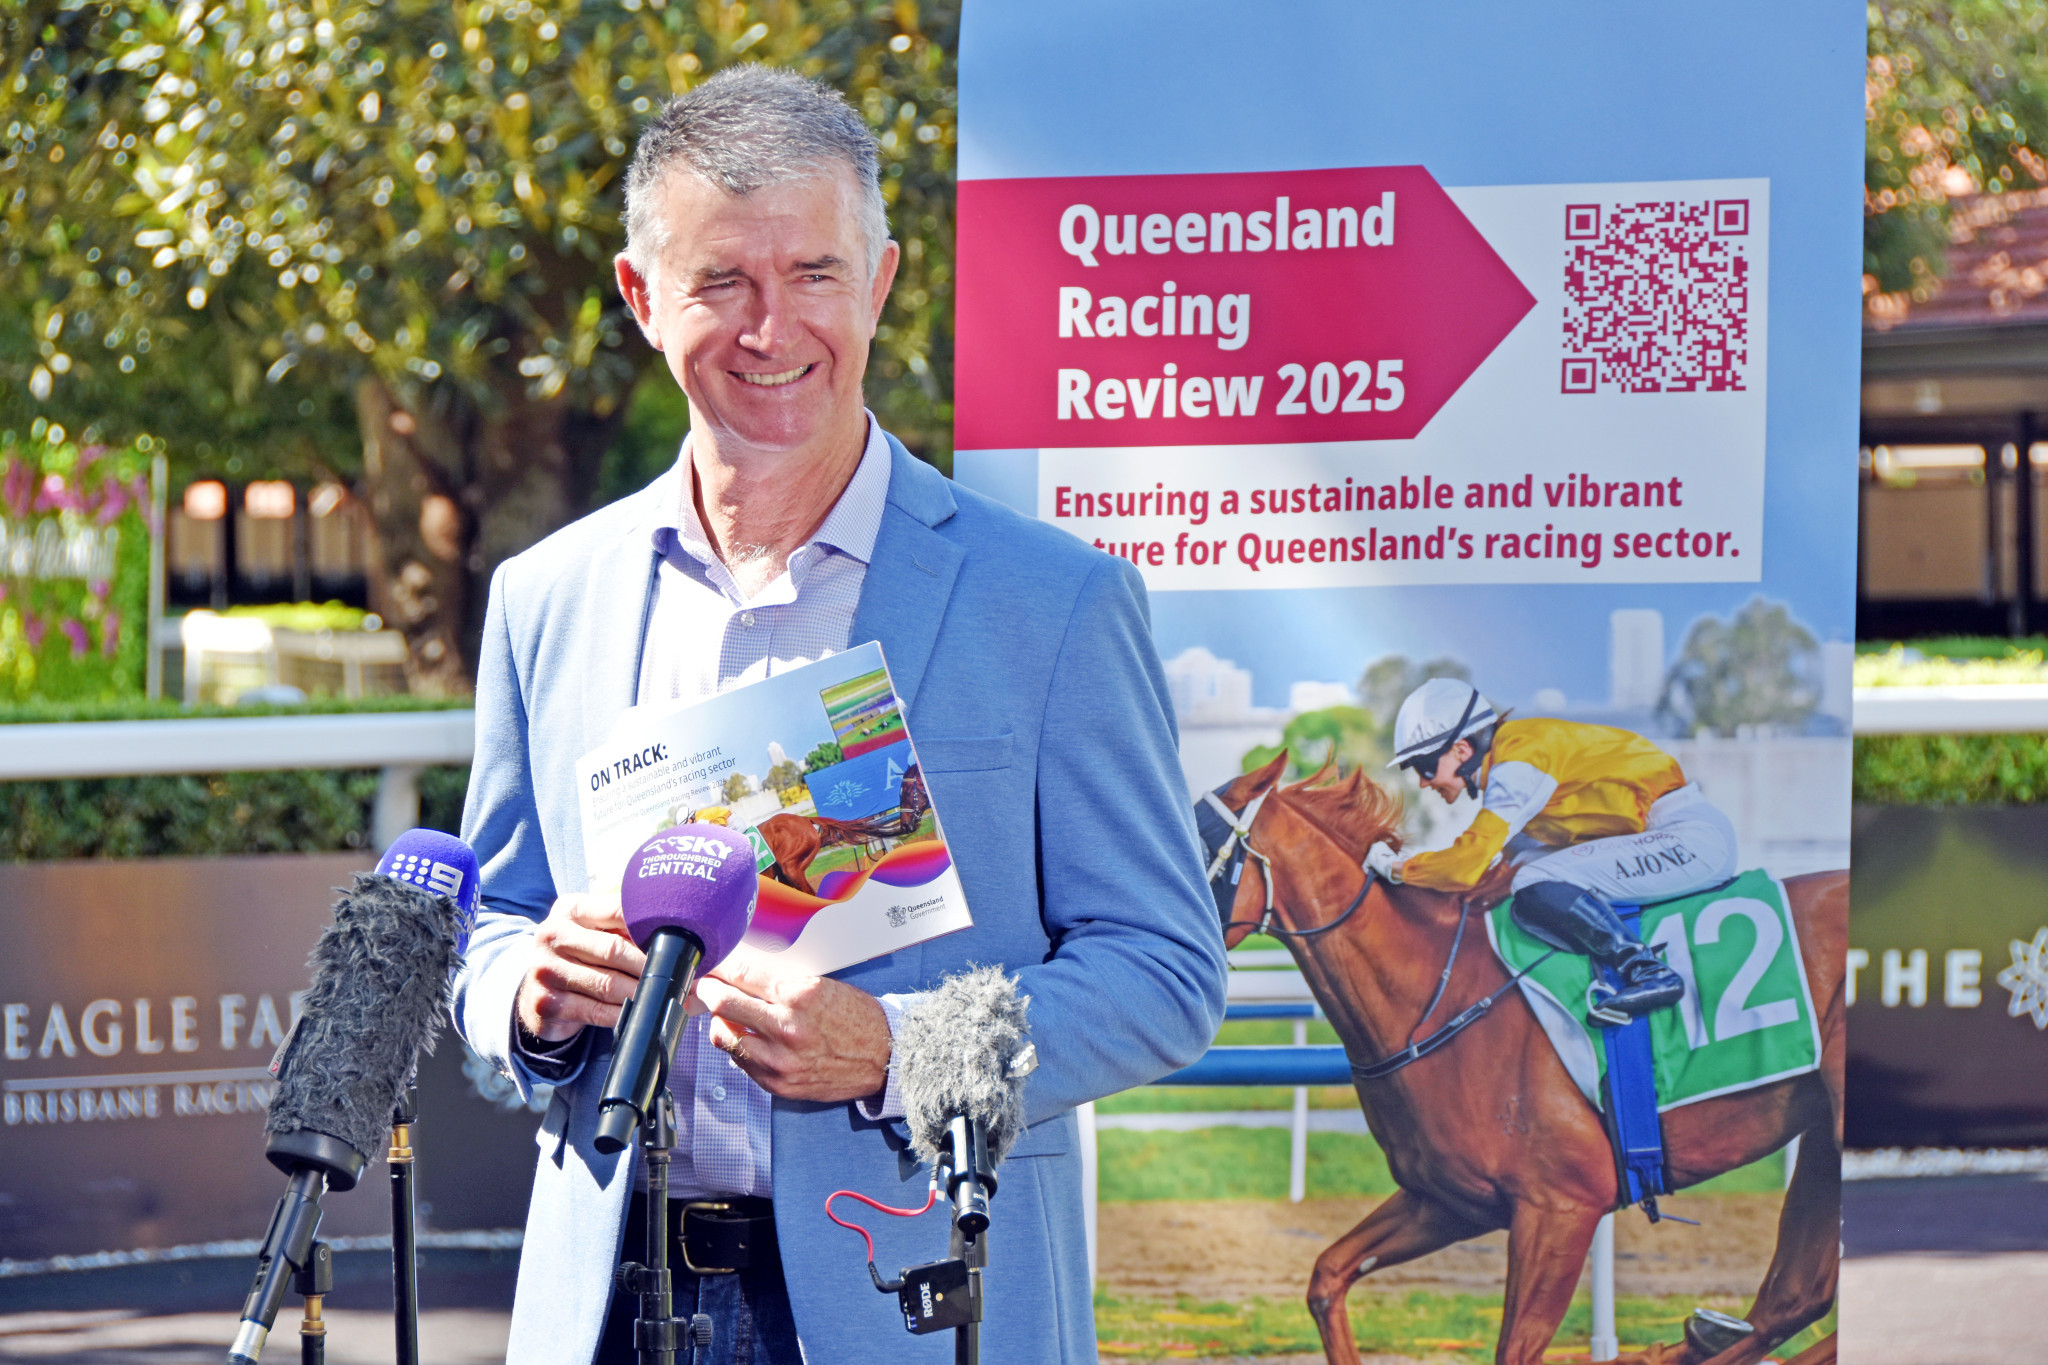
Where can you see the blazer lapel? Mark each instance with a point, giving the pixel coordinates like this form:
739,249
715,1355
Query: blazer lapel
910,576
613,633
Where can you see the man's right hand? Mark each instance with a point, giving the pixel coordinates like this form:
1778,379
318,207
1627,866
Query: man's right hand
584,969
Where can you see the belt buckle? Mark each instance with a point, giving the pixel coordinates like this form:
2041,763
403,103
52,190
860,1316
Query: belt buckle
683,1236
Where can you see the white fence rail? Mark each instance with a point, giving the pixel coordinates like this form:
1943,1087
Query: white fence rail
398,742
418,738
1988,710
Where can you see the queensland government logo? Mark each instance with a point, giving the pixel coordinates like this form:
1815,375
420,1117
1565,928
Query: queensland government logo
2027,979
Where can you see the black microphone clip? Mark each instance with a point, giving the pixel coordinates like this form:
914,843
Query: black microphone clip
648,1029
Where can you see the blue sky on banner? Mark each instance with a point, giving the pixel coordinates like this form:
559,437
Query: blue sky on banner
1578,93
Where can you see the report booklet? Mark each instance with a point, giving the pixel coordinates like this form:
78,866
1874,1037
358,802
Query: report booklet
817,768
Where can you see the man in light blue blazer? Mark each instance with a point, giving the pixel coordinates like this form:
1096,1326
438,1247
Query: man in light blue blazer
758,262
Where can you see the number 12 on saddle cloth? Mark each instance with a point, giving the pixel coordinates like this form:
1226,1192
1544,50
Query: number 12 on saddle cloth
1747,1016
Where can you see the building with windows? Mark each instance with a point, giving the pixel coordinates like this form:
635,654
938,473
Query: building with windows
1955,416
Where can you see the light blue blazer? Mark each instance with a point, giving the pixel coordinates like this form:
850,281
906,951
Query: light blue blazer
1026,666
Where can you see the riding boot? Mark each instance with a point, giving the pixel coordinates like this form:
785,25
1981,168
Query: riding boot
1577,921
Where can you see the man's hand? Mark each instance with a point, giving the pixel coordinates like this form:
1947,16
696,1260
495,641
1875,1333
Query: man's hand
584,968
800,1037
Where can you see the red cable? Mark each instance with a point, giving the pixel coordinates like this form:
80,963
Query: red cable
931,1197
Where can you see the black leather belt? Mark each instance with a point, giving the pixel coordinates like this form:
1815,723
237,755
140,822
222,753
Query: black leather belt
721,1236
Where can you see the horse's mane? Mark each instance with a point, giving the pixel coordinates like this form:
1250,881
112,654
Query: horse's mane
1354,808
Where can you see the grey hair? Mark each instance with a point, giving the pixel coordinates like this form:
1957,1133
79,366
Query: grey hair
746,128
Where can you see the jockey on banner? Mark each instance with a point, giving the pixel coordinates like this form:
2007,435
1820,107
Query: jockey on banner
1588,816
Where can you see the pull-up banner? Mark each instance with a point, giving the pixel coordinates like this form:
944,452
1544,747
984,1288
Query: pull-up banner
1510,345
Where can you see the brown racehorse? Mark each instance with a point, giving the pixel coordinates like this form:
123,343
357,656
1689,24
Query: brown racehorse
796,839
1490,1132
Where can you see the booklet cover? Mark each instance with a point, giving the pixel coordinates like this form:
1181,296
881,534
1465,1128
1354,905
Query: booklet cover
816,766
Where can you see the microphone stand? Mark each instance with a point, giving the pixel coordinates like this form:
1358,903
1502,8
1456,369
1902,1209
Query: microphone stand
969,1183
655,1335
313,1282
405,1268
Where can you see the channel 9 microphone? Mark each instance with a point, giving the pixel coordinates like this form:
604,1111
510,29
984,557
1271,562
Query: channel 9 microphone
381,974
688,899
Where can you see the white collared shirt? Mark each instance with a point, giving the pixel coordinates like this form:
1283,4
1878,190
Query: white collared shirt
705,637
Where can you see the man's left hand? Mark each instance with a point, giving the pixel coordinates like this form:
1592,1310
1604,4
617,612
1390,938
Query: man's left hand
800,1037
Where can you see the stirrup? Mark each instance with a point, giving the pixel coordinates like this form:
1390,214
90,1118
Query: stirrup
1602,1015
1601,1012
1709,1332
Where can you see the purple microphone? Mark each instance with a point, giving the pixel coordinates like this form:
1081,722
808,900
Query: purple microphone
688,898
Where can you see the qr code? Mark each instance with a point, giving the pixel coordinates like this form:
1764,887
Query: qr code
1656,297
899,916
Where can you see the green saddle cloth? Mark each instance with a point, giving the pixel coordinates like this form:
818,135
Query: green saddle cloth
1747,1017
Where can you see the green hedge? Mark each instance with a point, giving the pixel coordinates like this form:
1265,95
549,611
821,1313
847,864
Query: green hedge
50,712
305,811
1952,770
300,811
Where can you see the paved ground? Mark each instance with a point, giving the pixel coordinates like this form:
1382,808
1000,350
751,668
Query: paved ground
1948,1271
1945,1271
455,1336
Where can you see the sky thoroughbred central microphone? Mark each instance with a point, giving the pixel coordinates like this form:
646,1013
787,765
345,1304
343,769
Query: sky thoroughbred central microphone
379,993
688,899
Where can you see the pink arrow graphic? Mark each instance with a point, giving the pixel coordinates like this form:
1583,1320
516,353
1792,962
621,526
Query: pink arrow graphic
1283,306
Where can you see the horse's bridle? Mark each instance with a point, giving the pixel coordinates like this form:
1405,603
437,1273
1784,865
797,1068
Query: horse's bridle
1227,839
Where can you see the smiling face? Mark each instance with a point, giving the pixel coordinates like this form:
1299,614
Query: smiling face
1445,781
764,309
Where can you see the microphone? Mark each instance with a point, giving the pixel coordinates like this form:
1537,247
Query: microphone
962,1056
381,974
688,899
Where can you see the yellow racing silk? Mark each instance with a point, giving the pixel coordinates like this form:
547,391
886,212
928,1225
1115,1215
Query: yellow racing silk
1557,782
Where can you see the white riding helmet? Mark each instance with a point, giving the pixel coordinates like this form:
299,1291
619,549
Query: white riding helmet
1437,715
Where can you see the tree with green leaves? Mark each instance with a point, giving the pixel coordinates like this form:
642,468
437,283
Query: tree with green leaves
1757,671
1388,681
1956,102
261,223
1345,737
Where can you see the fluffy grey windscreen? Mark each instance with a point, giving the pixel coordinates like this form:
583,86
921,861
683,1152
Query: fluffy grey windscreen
954,1052
379,993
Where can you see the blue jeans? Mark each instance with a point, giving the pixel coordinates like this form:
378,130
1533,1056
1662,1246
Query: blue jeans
749,1309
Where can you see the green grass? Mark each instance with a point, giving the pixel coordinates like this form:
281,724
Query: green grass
1251,1163
1917,667
1183,1099
1958,646
1234,1163
1460,1326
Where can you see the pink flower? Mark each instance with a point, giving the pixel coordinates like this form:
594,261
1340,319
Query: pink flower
33,627
57,497
113,501
99,588
110,633
17,488
138,494
75,630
